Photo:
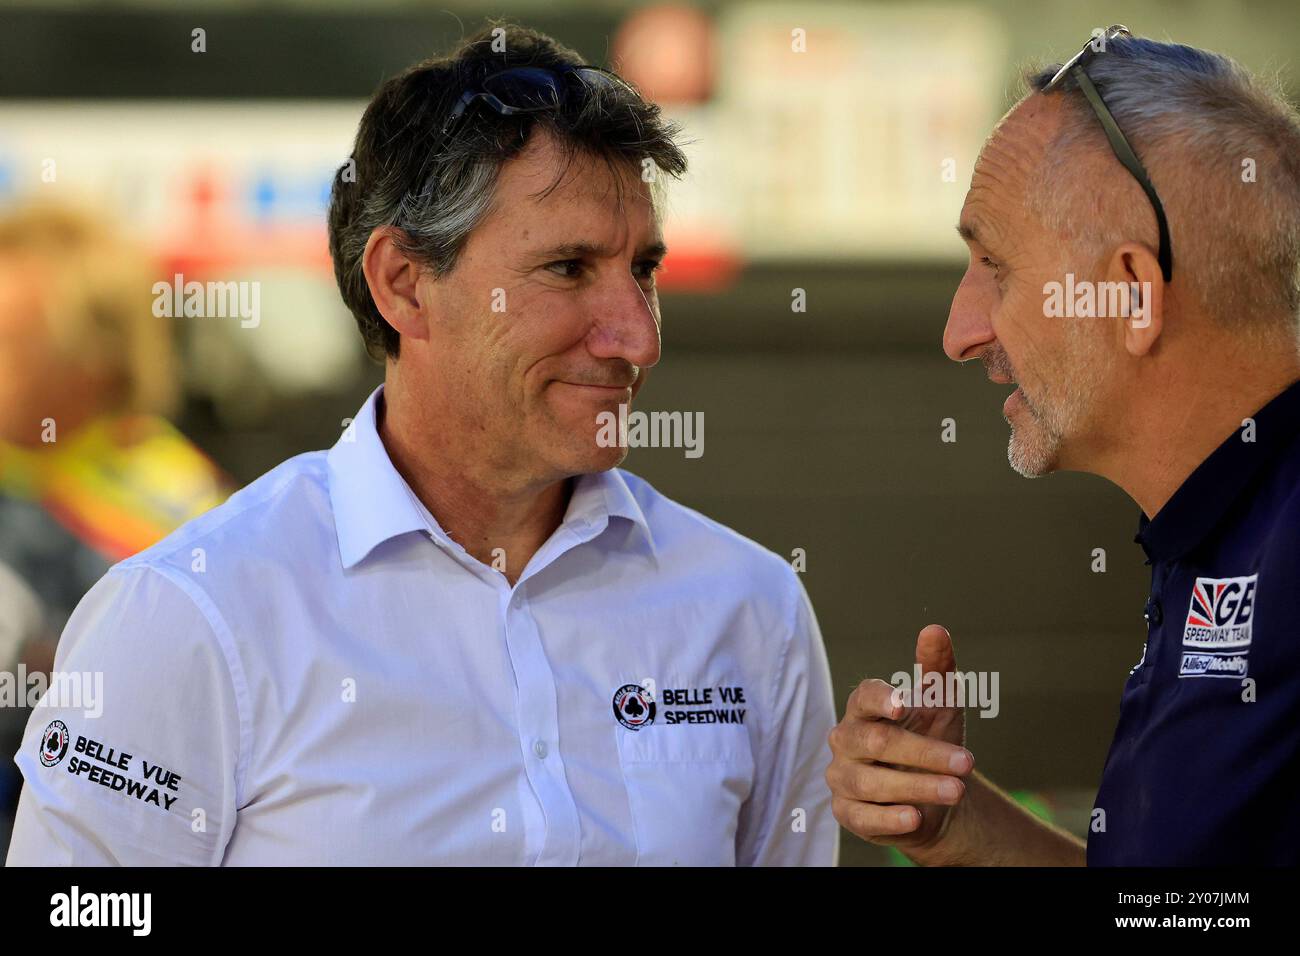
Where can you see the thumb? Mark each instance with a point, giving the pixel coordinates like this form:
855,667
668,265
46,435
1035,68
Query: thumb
934,650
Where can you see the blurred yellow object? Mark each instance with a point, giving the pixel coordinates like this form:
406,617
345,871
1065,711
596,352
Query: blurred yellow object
119,484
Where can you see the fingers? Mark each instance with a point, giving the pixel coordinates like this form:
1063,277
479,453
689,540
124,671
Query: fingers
870,821
876,784
885,742
882,774
879,803
874,700
934,651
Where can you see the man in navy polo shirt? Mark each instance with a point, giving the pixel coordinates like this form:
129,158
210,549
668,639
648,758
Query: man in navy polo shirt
1134,230
1205,766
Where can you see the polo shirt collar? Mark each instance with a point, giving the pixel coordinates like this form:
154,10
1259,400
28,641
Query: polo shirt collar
1201,502
373,503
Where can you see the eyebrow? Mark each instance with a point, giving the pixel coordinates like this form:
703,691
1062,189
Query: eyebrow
976,232
591,250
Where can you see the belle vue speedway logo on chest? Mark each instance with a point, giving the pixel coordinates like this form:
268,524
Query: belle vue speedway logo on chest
635,707
1218,627
101,766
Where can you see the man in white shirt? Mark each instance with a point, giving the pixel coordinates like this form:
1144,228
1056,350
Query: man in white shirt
461,636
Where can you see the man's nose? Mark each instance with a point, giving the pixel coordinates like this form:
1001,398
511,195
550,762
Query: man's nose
625,325
970,325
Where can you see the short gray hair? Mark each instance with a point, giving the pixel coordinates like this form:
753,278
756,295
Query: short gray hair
436,200
1195,118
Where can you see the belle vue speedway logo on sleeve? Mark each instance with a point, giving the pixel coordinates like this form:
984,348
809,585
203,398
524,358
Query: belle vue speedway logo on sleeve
160,786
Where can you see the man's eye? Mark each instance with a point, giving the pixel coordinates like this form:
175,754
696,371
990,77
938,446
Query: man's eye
647,268
569,268
990,263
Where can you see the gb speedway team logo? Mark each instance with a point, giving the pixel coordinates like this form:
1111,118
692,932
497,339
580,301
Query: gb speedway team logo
1219,625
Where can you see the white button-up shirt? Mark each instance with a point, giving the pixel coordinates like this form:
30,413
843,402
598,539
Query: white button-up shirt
315,673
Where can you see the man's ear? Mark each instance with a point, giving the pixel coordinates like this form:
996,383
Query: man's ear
394,284
1134,265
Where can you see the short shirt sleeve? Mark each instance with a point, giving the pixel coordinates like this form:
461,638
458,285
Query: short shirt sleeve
789,822
131,756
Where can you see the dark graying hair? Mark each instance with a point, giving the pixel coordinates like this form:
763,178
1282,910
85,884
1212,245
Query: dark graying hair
1199,121
436,200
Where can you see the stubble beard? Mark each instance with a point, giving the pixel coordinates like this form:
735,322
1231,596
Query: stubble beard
1059,407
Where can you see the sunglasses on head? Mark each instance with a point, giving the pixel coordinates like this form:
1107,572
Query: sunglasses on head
525,89
1076,68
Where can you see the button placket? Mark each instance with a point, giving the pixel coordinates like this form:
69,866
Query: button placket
539,729
1153,612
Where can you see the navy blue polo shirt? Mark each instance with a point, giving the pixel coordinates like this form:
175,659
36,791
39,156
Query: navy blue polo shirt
1205,765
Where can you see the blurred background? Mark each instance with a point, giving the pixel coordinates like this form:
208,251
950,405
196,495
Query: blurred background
813,260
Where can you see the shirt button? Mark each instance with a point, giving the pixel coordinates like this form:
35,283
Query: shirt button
539,748
1153,614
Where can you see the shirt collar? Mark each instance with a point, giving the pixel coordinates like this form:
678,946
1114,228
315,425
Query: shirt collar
373,503
371,500
601,495
1201,502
